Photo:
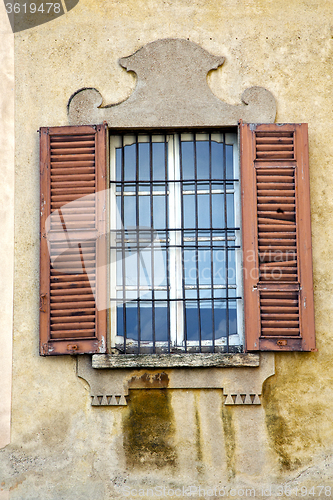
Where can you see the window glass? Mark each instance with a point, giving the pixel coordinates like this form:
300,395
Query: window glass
175,243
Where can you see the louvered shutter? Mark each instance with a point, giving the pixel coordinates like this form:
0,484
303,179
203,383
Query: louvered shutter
73,240
277,257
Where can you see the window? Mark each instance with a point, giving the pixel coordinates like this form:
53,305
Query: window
170,190
175,243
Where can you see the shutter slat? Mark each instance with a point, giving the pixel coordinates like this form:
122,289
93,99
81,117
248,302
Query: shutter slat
73,170
80,144
276,222
72,336
79,311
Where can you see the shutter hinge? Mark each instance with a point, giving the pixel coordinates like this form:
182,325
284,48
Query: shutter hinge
45,349
42,302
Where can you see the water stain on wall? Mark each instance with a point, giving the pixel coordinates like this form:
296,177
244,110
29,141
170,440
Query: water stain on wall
229,439
293,415
200,468
148,429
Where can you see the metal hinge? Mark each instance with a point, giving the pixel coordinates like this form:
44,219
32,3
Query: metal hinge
42,302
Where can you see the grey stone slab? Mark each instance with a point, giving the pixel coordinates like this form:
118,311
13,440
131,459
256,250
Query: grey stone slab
101,361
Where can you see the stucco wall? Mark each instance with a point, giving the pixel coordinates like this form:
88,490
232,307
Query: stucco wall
61,447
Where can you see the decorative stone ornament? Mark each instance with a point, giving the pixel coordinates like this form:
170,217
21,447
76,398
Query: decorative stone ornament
241,384
171,91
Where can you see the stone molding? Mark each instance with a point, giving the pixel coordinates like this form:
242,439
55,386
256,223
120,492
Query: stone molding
171,91
241,385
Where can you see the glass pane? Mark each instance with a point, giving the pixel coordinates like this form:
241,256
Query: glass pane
232,317
204,265
205,293
217,160
219,264
146,322
191,294
189,211
144,161
130,162
219,293
202,148
161,322
144,211
218,210
159,212
231,267
129,215
119,268
119,155
131,320
120,321
145,268
230,210
220,319
229,161
190,267
187,159
203,211
206,320
131,260
192,321
158,161
160,269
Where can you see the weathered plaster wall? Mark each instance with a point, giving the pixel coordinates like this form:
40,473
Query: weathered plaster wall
61,447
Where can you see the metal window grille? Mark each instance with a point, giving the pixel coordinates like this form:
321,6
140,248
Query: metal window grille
175,243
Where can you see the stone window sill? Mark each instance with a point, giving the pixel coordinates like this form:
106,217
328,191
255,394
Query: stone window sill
183,360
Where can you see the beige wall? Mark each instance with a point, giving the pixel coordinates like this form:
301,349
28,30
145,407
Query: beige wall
62,447
6,220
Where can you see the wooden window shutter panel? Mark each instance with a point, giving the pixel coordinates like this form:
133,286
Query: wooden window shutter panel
73,240
277,256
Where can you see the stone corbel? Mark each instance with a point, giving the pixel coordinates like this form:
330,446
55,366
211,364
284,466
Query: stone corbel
241,384
171,91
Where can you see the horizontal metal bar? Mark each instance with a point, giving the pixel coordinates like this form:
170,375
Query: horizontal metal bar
182,181
212,299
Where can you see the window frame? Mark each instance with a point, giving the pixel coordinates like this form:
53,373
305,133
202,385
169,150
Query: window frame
280,154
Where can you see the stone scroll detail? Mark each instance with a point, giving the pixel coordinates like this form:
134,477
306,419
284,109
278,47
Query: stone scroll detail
240,385
171,91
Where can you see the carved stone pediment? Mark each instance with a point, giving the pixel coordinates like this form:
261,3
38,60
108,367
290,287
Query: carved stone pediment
171,91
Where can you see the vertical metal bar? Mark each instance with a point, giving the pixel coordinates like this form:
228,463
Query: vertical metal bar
182,238
122,232
137,220
167,256
152,239
226,242
196,235
211,240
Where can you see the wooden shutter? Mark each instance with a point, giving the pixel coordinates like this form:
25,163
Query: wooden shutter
277,258
73,239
